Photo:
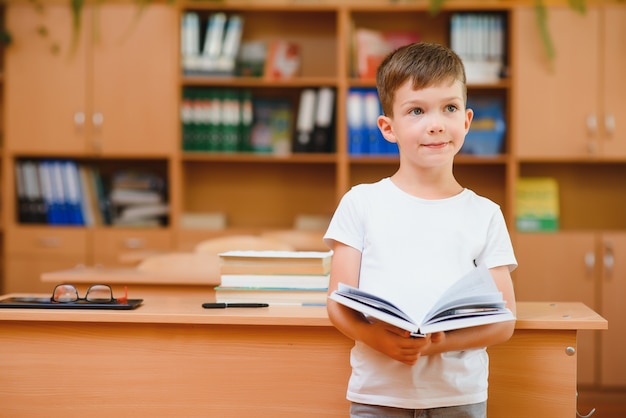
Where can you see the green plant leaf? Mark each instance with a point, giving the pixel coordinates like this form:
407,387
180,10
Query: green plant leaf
541,13
434,6
76,7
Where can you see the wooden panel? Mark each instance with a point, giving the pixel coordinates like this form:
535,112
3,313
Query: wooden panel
533,376
614,82
542,126
135,69
166,370
613,308
45,89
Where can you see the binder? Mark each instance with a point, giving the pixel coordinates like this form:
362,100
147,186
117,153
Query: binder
213,42
44,172
305,122
73,196
24,214
371,108
324,127
357,139
230,46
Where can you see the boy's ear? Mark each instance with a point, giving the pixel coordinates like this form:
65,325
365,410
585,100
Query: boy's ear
384,125
469,116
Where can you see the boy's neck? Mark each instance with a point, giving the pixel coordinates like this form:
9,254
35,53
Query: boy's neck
430,185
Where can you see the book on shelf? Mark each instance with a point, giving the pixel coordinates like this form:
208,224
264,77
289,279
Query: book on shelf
271,126
273,296
295,281
372,46
472,300
282,60
275,262
537,204
478,39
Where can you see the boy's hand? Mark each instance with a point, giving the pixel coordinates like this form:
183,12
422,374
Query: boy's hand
398,343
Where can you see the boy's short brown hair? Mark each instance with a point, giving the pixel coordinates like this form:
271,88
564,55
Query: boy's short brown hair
425,64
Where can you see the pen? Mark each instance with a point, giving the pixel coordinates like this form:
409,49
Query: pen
234,305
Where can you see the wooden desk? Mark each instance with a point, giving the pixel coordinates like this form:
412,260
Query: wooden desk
172,358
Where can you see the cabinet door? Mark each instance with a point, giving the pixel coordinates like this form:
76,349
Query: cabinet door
46,89
560,267
555,102
613,340
613,120
135,64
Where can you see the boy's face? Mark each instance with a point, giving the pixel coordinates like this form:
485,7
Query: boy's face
429,125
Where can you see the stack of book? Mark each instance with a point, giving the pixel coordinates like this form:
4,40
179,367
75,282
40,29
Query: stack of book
537,206
138,198
274,277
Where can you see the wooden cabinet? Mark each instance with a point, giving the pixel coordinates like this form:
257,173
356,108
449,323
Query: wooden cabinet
112,94
109,101
574,109
581,266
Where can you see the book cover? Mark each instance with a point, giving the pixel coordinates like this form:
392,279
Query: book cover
472,300
283,60
295,281
537,204
275,262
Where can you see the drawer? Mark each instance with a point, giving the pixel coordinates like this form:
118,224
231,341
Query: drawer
47,241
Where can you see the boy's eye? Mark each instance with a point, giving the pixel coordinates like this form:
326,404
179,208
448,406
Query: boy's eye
416,111
451,108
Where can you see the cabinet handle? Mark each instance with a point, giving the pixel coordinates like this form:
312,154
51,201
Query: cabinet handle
134,243
608,260
590,263
97,119
592,124
79,119
609,123
50,242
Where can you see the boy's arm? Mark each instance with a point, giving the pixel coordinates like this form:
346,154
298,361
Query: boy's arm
485,335
385,338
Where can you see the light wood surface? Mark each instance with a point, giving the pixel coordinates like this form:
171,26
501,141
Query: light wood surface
171,357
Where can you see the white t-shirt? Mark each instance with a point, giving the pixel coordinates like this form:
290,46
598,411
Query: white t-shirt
414,248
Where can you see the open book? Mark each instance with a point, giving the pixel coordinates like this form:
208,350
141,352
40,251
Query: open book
472,300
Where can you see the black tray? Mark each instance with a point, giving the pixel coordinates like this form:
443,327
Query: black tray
44,303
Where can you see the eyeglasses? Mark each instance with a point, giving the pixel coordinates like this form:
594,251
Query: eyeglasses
97,293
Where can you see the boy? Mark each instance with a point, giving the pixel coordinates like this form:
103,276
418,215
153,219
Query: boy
414,233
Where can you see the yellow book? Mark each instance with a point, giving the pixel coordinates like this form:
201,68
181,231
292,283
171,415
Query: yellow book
537,204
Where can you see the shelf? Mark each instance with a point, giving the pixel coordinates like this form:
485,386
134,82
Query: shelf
239,157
